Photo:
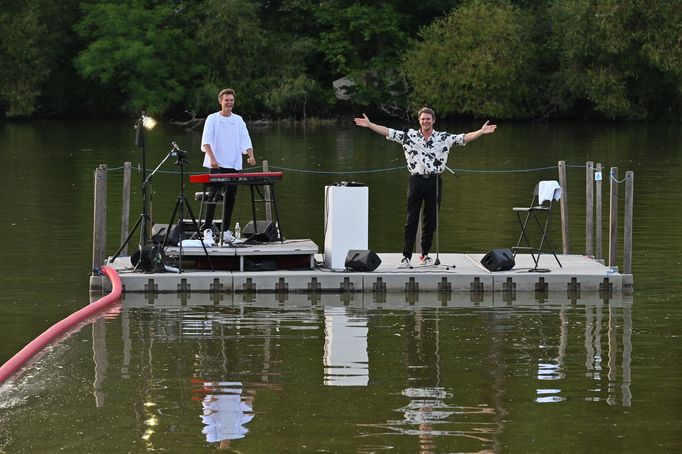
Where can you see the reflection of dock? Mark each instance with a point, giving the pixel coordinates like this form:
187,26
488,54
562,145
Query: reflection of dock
457,274
389,301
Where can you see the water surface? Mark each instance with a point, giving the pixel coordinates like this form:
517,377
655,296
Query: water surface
335,373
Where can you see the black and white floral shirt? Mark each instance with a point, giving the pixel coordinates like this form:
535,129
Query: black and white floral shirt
425,156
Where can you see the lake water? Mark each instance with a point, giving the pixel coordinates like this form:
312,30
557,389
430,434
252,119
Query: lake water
342,373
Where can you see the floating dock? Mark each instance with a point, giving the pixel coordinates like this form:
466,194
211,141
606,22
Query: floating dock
297,266
299,269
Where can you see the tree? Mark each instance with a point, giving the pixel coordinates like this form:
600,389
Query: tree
363,42
141,48
35,44
474,61
619,58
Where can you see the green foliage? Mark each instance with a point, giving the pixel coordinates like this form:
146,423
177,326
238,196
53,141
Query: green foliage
363,42
474,61
618,59
267,69
140,49
26,63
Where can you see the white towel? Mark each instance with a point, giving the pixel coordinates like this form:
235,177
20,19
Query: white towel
548,190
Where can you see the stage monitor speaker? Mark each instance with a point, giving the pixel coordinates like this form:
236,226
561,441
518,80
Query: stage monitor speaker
362,260
265,232
499,260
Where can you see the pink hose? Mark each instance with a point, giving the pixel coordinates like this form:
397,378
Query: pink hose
59,328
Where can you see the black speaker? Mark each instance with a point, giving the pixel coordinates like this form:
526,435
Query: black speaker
498,260
265,232
362,260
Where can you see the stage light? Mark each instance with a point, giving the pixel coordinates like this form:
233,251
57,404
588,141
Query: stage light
148,122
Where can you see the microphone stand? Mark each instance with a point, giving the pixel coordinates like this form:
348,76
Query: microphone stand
438,182
181,205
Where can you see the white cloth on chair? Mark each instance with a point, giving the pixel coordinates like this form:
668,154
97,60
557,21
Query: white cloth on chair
548,190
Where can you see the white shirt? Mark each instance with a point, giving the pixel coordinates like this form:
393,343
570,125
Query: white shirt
229,139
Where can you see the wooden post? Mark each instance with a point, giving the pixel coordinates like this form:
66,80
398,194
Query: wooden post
589,208
268,196
613,216
564,208
598,222
627,229
125,206
99,225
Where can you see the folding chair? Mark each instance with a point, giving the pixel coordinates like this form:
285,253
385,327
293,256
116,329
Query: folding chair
544,195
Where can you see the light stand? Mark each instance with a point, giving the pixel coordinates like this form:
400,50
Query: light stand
180,205
142,123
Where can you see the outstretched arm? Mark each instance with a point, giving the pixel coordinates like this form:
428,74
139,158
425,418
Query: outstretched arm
485,129
365,123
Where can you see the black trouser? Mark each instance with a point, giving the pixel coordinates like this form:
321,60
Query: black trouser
427,189
214,195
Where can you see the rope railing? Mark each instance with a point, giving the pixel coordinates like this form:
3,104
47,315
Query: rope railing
363,171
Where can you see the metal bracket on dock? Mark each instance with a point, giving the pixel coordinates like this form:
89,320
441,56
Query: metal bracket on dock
216,286
509,290
573,289
281,286
606,288
379,286
444,285
541,286
412,286
249,285
151,287
347,285
314,286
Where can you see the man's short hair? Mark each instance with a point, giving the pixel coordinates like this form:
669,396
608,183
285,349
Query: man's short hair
226,91
427,110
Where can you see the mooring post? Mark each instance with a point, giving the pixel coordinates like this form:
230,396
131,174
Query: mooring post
589,207
99,224
627,228
613,216
598,212
125,206
268,197
564,207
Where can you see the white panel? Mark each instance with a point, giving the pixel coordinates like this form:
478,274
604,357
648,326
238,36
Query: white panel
346,223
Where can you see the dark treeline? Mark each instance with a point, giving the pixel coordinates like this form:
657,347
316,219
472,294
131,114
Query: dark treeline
524,59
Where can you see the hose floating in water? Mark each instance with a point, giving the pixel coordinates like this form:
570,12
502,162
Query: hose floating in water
59,328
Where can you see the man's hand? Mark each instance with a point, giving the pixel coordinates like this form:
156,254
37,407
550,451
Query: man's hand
251,160
363,122
487,129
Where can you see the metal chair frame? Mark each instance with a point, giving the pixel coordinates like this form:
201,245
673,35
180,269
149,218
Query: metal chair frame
533,212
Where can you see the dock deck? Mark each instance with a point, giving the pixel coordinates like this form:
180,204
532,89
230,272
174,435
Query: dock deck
299,270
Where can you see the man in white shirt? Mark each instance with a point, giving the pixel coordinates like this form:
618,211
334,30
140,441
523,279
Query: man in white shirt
224,140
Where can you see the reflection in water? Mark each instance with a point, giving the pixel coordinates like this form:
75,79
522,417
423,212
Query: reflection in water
345,348
227,352
225,411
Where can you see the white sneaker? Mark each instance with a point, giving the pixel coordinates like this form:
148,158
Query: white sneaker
405,263
425,260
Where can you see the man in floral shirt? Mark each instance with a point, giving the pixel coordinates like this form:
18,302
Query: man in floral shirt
426,152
